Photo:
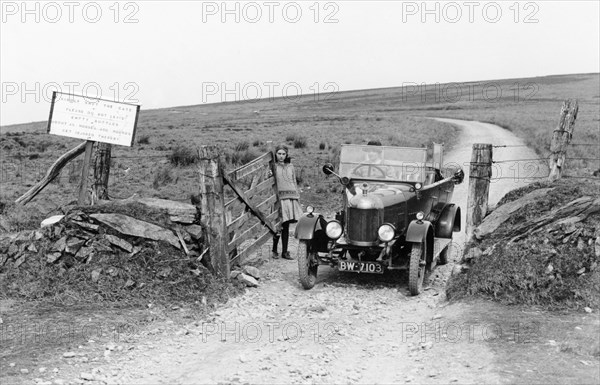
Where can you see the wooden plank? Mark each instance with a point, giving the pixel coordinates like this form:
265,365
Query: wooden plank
52,173
259,170
250,205
253,165
270,200
85,172
255,180
248,233
261,187
256,161
246,236
479,186
235,204
241,220
254,246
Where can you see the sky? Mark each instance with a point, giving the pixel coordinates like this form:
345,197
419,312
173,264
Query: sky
172,53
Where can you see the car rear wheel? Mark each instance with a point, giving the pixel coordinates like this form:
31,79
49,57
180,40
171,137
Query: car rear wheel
307,265
416,271
444,255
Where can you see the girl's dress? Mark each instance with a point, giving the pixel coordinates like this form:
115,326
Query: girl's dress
288,192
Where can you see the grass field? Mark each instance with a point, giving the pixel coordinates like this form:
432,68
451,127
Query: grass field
313,127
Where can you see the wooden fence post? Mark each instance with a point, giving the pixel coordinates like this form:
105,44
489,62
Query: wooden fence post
212,203
85,172
561,137
479,186
101,172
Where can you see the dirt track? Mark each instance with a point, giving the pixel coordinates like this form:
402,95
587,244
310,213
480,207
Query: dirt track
353,329
349,328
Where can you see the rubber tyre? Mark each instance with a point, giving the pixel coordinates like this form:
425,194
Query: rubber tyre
416,271
307,265
444,255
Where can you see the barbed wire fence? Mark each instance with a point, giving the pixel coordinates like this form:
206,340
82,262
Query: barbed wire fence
483,169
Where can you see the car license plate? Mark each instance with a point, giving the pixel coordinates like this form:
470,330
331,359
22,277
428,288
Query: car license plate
361,267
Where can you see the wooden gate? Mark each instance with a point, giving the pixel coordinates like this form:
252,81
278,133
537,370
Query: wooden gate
240,208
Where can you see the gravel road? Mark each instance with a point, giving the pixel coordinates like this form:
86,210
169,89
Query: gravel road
348,329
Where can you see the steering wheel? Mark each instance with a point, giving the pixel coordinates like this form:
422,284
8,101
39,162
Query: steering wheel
369,167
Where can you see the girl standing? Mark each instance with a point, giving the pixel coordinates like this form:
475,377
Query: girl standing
288,196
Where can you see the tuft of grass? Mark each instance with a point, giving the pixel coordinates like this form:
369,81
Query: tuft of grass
19,218
144,139
241,157
241,146
183,156
300,142
163,177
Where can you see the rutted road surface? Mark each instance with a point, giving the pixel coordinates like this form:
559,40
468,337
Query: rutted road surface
348,329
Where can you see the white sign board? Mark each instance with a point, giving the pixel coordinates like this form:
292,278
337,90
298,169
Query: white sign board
93,119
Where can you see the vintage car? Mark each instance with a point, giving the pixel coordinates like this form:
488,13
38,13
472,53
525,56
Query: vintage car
397,214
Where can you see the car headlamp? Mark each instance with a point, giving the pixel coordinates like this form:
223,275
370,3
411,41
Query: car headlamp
420,216
310,209
386,232
334,229
418,186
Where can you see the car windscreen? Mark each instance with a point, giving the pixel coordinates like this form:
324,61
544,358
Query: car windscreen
382,162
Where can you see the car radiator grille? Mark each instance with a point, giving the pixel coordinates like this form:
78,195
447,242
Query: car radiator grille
362,224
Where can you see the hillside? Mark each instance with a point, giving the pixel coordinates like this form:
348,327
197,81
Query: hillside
528,107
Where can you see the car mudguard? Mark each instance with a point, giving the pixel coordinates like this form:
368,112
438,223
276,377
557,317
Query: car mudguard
421,231
308,225
417,231
311,227
448,221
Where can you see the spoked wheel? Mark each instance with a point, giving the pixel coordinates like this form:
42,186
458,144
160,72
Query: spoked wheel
307,265
444,255
416,271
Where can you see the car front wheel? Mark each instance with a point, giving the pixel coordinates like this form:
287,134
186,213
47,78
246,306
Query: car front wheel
307,265
416,271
